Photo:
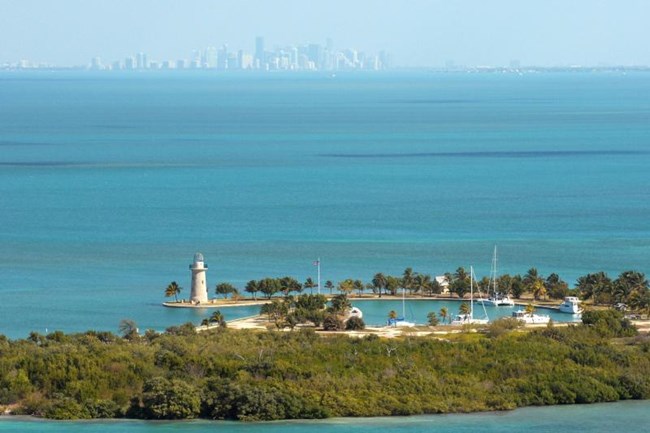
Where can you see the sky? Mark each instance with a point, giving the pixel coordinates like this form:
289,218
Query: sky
427,33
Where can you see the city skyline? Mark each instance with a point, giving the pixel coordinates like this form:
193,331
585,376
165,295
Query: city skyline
419,33
306,57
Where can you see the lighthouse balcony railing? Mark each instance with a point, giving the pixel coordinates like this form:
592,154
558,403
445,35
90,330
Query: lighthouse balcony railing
205,266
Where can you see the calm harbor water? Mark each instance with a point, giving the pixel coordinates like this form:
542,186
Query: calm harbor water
110,182
633,417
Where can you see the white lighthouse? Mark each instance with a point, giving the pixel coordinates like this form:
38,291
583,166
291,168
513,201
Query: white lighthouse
199,292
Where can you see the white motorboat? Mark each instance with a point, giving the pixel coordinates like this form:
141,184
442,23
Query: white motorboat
571,305
530,318
496,299
468,319
355,312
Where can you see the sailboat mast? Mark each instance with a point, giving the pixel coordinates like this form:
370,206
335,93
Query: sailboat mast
318,261
471,292
494,271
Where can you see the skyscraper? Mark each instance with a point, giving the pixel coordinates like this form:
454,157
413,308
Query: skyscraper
260,57
141,60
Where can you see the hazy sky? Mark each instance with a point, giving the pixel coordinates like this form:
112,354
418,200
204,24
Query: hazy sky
415,32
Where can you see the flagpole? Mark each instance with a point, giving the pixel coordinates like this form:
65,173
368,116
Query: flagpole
319,275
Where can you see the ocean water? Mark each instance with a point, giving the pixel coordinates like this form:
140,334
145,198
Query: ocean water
110,182
631,416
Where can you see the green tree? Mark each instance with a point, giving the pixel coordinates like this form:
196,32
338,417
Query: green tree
252,287
444,314
556,287
379,283
597,286
433,318
309,284
173,289
538,289
530,309
355,324
276,310
269,287
460,282
339,304
218,317
392,284
290,284
329,285
128,329
627,283
531,280
434,288
359,286
422,283
464,309
169,399
517,287
408,280
346,286
331,322
225,289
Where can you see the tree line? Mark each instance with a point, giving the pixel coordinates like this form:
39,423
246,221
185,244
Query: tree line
629,288
252,375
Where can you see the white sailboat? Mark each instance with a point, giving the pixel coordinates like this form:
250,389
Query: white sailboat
401,321
468,319
495,298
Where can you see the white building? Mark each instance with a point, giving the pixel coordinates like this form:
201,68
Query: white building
199,292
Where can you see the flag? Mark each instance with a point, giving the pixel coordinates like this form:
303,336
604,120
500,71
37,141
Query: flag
316,263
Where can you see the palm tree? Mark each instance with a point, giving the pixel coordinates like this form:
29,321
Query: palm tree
346,286
359,286
340,304
459,282
422,283
218,317
392,314
531,278
173,289
309,284
128,328
408,279
530,309
329,285
205,322
464,309
444,314
392,284
379,282
628,282
538,289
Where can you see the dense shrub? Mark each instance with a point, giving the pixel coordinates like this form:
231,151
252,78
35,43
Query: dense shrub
169,399
246,375
355,324
331,322
609,323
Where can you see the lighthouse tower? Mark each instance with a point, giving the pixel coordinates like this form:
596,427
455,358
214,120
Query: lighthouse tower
199,292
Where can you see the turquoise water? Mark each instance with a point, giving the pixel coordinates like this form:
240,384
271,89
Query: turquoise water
109,183
632,417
